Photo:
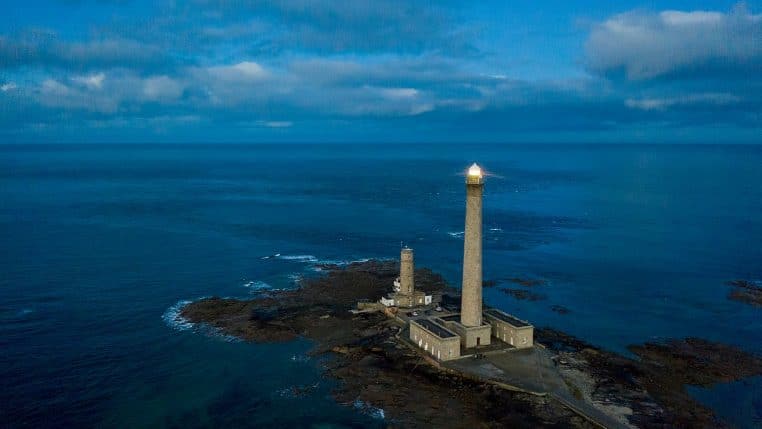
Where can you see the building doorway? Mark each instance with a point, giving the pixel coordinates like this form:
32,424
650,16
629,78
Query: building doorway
478,341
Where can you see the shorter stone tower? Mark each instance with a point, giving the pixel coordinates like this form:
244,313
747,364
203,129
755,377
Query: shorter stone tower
404,294
407,270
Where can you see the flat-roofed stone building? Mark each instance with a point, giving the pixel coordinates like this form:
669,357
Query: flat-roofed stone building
470,336
435,339
509,329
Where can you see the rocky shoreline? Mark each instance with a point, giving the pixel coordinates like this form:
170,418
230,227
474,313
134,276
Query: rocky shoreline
375,368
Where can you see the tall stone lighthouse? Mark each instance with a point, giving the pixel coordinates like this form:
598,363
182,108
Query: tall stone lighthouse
471,298
407,279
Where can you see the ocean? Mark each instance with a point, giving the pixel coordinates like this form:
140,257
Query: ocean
101,244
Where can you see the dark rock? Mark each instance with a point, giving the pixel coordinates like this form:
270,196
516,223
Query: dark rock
560,309
746,291
654,385
527,282
523,294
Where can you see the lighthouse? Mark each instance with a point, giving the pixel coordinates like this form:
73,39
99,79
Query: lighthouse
471,298
407,279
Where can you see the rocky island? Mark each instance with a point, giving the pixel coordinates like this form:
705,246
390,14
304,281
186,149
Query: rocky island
373,363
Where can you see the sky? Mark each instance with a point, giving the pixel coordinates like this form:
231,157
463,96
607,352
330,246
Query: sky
380,71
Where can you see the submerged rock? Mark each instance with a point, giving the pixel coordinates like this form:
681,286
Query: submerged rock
489,283
560,309
749,292
523,294
527,282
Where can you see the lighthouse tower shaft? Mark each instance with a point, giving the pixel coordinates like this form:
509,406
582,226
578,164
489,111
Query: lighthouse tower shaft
471,298
407,279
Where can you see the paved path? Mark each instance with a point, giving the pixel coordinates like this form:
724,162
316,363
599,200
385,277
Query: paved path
532,371
529,370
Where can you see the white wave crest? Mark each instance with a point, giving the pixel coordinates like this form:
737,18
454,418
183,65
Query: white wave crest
366,408
174,320
257,285
299,258
458,234
300,358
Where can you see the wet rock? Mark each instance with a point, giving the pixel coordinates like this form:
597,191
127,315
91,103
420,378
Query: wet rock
653,386
560,309
523,295
527,282
749,292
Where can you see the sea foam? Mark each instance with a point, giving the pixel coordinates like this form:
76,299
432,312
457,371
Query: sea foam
172,317
299,258
366,408
257,285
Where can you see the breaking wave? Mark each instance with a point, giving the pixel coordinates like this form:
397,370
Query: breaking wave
258,285
174,320
299,258
316,262
300,358
366,408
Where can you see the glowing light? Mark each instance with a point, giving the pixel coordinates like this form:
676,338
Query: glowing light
475,171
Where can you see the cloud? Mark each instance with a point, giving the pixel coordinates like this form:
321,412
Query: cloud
329,26
399,93
710,99
94,81
275,124
677,44
243,71
53,93
45,49
387,68
159,88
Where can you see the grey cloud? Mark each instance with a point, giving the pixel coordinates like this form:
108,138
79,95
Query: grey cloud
345,26
44,49
687,100
697,44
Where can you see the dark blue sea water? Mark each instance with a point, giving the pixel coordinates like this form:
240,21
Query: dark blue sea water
100,242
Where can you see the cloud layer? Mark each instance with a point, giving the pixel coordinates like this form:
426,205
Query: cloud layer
677,45
386,70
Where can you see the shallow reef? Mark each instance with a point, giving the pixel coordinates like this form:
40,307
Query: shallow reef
749,292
